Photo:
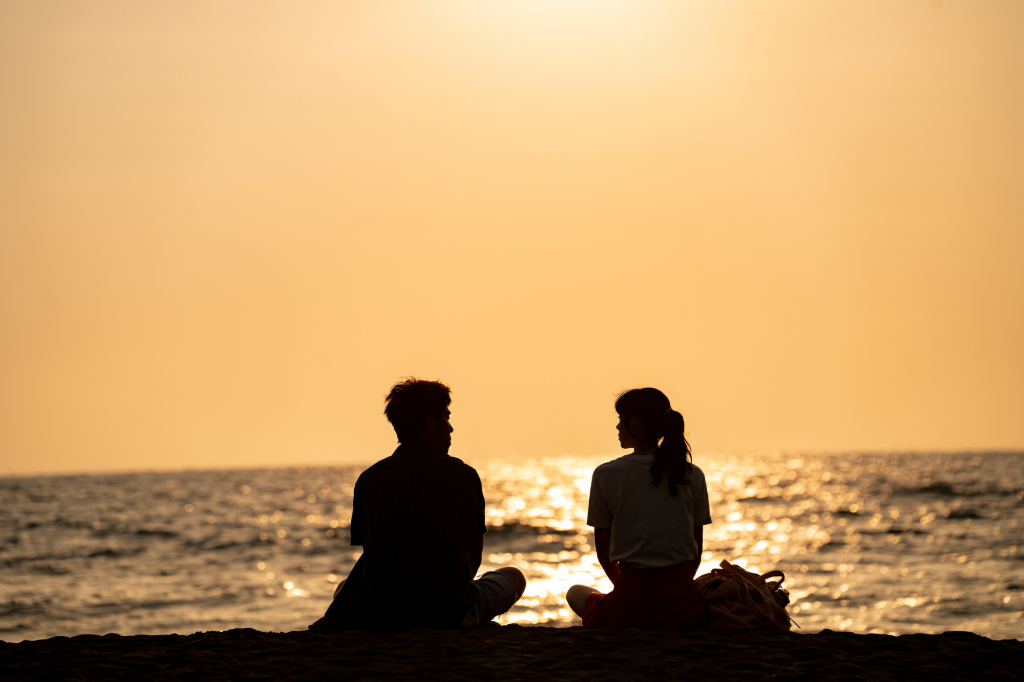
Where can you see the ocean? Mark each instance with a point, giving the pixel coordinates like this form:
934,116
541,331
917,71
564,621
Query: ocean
869,543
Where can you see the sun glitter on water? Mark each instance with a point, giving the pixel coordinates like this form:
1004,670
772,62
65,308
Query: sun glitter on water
537,515
867,542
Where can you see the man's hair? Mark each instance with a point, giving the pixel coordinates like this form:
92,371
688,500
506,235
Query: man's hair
409,402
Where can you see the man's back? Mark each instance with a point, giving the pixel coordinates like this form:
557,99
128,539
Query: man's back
419,515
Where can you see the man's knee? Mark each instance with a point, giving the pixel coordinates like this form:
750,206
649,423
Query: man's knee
517,578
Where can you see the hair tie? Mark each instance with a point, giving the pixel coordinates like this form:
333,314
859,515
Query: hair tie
668,411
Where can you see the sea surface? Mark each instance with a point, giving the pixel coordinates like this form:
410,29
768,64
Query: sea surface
869,543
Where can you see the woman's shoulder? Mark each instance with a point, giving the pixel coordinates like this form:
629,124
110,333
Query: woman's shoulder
622,469
612,465
601,470
604,471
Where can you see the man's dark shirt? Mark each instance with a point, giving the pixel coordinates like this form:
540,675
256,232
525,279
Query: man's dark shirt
419,515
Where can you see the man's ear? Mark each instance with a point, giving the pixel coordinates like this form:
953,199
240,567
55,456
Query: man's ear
428,427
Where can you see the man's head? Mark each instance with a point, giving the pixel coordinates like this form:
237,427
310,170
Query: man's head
419,411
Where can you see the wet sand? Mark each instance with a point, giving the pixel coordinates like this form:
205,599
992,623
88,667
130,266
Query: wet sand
515,652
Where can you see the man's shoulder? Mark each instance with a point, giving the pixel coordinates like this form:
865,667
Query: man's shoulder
373,469
459,465
433,459
455,470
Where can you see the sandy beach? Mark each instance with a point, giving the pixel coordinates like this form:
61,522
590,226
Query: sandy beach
515,652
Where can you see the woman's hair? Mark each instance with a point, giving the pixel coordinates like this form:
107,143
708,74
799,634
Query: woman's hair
660,423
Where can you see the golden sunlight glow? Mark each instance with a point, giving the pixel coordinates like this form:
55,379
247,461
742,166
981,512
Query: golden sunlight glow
217,236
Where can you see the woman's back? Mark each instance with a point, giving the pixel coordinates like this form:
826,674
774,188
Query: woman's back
650,528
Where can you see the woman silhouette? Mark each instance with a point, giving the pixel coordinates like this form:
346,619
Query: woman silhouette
648,510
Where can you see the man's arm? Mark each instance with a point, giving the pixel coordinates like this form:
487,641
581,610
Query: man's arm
698,537
476,552
355,524
603,540
478,510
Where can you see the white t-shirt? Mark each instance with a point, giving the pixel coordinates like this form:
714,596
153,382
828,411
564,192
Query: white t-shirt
650,527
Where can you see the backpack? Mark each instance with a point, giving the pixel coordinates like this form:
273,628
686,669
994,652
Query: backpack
741,600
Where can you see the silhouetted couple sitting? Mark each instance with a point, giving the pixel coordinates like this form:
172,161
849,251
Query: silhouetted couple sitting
419,515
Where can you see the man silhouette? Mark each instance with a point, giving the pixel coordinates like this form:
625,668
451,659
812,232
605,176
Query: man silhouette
419,516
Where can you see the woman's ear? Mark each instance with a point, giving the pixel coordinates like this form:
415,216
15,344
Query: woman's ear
635,426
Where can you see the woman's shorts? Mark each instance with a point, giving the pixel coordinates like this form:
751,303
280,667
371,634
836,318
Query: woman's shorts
649,599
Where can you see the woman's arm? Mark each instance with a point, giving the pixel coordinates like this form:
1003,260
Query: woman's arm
603,540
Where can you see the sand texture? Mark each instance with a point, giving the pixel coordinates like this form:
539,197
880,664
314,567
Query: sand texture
514,652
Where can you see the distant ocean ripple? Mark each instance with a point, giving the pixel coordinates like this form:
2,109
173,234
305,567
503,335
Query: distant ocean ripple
869,543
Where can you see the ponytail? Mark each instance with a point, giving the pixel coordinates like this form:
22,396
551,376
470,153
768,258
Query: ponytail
673,458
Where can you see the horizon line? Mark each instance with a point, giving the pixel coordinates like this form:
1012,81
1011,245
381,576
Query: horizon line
340,464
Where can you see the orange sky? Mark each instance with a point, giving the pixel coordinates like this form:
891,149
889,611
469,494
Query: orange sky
227,227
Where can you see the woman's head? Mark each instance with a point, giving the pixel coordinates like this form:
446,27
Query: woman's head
647,421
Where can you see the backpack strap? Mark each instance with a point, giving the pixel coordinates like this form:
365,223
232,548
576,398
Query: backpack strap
771,574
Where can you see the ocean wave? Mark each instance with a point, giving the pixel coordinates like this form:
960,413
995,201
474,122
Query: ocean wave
167,534
13,609
115,553
965,514
975,489
49,569
784,499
